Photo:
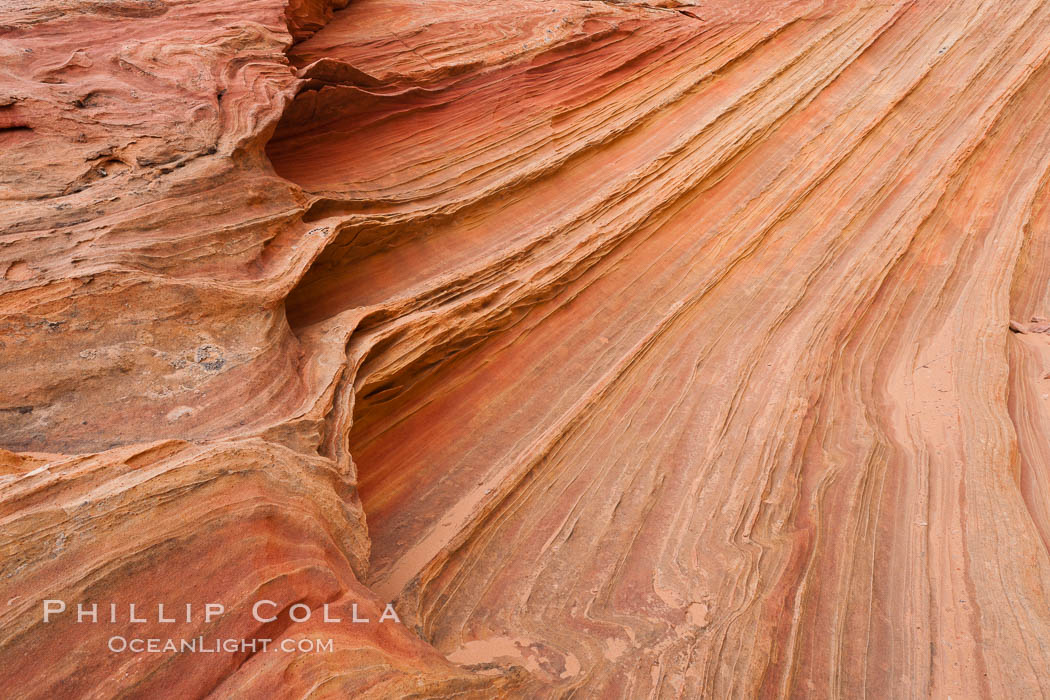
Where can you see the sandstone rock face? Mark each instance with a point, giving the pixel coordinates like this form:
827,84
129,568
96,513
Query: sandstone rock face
629,349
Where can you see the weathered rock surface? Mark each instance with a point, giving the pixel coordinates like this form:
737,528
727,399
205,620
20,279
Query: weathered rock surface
665,349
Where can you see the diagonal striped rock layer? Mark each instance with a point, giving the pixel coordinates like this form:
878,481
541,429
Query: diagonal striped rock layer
630,349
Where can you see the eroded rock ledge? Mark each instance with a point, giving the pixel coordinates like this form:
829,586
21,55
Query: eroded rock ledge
634,349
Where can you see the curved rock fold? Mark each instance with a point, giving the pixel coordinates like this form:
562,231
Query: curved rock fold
629,349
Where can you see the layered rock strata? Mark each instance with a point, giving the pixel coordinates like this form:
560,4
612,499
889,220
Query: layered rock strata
666,349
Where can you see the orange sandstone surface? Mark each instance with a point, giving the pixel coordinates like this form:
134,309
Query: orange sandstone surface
672,349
